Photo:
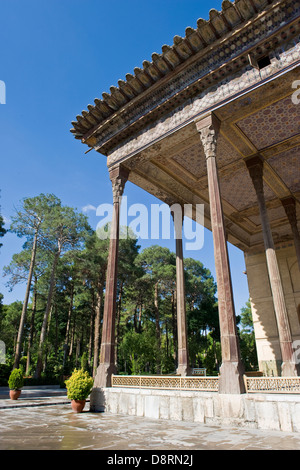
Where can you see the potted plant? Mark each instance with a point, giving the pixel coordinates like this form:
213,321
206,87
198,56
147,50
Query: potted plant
79,386
15,383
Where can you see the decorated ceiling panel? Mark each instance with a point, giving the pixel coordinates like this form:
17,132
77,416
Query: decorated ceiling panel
273,124
277,213
287,166
192,160
237,189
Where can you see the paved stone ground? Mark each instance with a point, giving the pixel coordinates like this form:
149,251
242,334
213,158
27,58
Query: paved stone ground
34,396
58,428
28,424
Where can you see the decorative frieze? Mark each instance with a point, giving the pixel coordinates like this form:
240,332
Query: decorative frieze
186,112
224,58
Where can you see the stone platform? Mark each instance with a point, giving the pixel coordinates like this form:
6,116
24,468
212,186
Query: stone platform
280,412
43,420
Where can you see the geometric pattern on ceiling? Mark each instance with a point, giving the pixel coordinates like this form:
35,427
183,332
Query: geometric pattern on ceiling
287,165
273,214
238,190
226,153
271,125
193,159
264,128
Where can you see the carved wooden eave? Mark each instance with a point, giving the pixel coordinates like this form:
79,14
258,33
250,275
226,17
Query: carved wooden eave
147,123
120,108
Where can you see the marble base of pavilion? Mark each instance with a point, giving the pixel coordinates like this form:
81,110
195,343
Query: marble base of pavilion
280,412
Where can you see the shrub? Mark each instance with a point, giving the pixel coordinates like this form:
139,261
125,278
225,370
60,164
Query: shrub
16,381
79,385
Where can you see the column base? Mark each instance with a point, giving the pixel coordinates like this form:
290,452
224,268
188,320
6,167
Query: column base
103,376
183,370
102,380
231,379
97,400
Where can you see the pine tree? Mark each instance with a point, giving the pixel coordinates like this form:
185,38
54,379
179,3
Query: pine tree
28,223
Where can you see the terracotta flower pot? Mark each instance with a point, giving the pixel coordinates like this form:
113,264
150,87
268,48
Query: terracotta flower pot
78,405
14,394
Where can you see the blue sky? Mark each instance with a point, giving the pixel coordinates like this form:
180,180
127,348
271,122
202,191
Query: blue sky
56,57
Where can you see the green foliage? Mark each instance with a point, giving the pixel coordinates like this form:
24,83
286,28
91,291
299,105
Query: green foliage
16,380
9,324
139,350
84,361
158,264
62,326
210,356
5,370
79,385
247,339
2,229
43,380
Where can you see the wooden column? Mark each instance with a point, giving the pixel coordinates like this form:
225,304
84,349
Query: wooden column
183,368
288,367
107,365
231,371
289,204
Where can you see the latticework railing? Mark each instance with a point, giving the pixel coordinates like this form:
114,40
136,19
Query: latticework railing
272,384
166,382
210,384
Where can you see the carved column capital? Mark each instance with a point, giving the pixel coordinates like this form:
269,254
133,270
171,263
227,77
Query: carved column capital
289,204
208,128
255,167
118,177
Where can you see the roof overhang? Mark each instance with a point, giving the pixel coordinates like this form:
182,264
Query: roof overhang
148,123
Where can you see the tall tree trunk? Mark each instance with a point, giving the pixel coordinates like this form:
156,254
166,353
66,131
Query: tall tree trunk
174,327
119,304
157,325
135,319
47,346
25,304
90,346
77,354
72,335
99,298
39,365
49,320
157,328
56,333
66,345
69,315
140,317
167,338
30,340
